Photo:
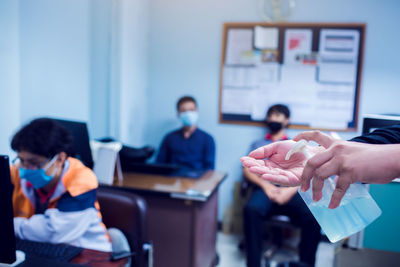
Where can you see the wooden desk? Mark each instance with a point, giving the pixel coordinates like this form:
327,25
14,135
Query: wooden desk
182,216
96,258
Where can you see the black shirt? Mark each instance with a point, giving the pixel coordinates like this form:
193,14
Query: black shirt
387,135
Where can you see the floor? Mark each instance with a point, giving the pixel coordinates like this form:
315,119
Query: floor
367,258
231,256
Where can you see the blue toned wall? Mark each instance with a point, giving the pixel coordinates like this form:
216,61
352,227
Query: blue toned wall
9,72
81,60
100,67
54,53
118,69
384,234
184,56
131,68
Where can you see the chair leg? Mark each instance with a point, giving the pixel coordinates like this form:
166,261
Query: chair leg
148,247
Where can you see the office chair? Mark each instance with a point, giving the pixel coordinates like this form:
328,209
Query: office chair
277,224
127,212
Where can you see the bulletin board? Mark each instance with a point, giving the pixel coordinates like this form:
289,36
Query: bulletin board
313,68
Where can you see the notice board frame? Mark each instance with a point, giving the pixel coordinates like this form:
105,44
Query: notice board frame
282,26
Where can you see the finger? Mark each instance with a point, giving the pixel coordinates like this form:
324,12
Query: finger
316,136
317,185
244,158
323,172
260,170
282,178
264,151
343,183
276,179
250,162
312,164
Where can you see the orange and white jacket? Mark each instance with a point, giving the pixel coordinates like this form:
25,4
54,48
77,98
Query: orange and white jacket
72,216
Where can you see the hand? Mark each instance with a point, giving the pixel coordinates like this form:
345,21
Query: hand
269,162
350,161
270,190
285,194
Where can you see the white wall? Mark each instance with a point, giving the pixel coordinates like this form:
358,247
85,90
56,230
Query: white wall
55,59
9,73
100,67
132,67
184,56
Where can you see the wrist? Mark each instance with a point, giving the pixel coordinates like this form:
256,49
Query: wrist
395,160
264,187
386,163
267,186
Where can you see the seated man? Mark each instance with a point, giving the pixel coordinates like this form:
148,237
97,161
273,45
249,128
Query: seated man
188,146
54,195
268,199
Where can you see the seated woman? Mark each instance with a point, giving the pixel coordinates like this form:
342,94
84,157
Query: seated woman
54,194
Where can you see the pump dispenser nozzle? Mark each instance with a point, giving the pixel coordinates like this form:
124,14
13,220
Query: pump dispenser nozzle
300,146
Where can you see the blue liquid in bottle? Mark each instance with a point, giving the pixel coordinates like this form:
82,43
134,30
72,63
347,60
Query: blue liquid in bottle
350,217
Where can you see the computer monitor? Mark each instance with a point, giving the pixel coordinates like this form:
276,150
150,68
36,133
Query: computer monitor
372,122
7,238
80,143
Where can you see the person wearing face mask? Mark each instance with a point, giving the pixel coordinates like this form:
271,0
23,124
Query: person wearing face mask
54,195
189,146
267,199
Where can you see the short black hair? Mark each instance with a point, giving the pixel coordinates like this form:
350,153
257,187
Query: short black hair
44,137
184,99
278,109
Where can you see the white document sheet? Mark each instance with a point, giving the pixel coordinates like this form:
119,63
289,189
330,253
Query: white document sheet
262,99
297,42
240,77
268,73
339,43
266,37
339,56
237,101
334,106
239,41
337,73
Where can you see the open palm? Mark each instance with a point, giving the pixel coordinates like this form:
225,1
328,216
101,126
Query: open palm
269,162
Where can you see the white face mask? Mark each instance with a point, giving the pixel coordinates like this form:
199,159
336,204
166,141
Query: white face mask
189,118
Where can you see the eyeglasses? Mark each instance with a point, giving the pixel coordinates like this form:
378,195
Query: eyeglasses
30,164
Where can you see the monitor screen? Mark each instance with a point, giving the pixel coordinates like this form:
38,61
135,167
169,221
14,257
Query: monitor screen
80,143
373,122
7,238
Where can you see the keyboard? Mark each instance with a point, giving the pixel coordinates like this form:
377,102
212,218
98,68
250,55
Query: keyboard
151,168
60,252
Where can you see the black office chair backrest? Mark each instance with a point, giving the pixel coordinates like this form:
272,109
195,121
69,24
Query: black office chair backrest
127,212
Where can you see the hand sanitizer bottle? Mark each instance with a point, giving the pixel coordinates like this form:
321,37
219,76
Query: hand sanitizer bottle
356,210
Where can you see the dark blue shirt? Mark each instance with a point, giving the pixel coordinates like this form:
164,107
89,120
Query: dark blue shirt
196,152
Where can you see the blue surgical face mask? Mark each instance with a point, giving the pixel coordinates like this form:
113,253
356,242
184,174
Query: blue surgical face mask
38,178
189,118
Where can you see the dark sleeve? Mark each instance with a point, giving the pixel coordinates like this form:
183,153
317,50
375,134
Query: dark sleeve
209,154
78,203
163,155
387,135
